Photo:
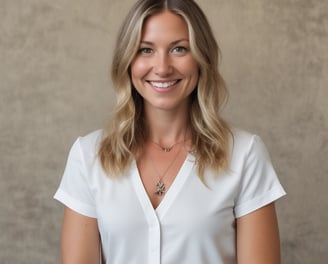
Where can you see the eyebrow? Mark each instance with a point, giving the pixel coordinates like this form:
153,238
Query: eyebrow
172,43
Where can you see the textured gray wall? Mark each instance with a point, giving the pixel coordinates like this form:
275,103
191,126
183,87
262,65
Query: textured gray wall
54,86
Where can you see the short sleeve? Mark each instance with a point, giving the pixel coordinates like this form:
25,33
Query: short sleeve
259,184
74,189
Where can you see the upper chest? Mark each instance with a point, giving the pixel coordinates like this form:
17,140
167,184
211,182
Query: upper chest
158,170
126,205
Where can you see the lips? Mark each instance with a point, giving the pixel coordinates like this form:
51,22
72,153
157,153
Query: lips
162,84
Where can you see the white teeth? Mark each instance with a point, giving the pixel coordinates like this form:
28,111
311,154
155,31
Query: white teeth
163,84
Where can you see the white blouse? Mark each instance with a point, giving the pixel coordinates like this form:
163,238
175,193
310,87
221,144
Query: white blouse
194,223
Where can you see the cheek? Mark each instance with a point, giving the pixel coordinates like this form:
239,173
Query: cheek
189,67
139,69
192,69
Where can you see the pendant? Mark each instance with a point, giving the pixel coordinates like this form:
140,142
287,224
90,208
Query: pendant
160,188
166,149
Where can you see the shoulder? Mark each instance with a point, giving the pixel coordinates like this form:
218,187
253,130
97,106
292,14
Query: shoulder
244,143
241,139
89,144
91,141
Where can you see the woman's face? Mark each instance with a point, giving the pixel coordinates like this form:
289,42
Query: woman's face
164,71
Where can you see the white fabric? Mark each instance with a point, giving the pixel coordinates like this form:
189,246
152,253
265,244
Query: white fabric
193,224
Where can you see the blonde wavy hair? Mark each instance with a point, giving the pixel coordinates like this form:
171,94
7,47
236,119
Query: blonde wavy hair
126,134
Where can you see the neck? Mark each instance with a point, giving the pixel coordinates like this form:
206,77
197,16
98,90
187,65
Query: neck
167,129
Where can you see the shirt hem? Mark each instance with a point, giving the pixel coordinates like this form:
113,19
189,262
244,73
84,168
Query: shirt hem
254,204
74,204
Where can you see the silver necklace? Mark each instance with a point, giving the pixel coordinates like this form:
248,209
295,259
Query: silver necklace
160,185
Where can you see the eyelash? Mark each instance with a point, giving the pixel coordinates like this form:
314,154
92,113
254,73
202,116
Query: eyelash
180,49
145,50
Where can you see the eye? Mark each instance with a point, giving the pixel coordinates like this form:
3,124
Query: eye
145,51
179,50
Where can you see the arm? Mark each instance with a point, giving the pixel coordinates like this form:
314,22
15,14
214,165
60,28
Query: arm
258,237
80,243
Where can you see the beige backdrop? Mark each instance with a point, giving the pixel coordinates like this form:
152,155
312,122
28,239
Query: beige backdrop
54,86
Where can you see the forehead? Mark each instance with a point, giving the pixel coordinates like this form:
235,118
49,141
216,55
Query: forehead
164,24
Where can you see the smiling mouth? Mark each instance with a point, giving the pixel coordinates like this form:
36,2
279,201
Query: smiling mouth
163,85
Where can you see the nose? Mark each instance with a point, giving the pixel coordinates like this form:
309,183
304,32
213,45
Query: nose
163,64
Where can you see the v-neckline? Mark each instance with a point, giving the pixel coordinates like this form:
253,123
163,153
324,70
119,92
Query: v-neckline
171,193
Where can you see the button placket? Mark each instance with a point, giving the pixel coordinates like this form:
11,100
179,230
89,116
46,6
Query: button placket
154,242
154,229
154,217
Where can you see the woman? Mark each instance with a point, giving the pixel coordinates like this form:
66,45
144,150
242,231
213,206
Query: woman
169,181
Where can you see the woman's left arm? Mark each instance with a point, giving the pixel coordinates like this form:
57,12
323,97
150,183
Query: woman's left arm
258,237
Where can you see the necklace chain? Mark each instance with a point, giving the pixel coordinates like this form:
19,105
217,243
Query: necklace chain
160,186
167,149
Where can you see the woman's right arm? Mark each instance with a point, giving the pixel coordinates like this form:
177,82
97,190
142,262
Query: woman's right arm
80,242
